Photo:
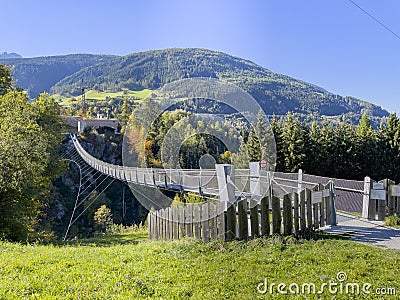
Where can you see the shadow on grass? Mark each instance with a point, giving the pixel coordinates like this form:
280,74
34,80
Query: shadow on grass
330,236
108,240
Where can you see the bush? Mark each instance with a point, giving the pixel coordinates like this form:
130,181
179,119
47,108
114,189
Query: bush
103,219
393,221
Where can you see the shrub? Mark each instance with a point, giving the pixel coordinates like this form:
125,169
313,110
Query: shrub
392,221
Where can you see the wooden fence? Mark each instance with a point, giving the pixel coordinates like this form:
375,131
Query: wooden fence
246,219
381,199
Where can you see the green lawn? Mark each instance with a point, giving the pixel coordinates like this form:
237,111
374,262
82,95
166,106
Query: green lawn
130,267
98,95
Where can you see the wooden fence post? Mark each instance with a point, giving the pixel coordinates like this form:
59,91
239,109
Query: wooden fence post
221,221
231,223
242,220
303,223
368,208
382,203
205,230
175,222
159,223
189,220
398,206
321,207
309,208
276,215
254,223
296,213
300,181
226,187
315,210
287,215
213,221
332,205
391,200
196,221
150,221
181,222
265,222
170,223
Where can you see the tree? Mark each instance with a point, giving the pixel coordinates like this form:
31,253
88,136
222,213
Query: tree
6,81
293,144
365,150
29,160
23,159
253,146
103,219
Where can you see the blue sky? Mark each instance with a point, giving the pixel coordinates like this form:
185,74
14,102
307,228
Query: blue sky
330,43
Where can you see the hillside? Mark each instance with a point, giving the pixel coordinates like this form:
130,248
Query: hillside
276,93
39,74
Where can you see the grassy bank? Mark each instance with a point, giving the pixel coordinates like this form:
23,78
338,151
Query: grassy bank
131,267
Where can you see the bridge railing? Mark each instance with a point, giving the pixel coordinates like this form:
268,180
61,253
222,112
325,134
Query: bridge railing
349,193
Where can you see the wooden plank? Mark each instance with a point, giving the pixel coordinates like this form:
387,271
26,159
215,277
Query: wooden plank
308,208
265,222
391,199
213,221
196,221
150,226
157,225
296,213
205,228
382,203
328,215
170,223
287,215
303,221
175,223
163,224
321,220
276,215
315,209
189,220
231,223
221,221
254,223
322,214
398,206
242,220
154,217
181,222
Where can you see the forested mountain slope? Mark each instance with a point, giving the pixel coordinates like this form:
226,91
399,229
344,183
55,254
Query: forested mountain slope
276,93
39,74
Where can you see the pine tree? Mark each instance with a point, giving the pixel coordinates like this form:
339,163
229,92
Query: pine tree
293,144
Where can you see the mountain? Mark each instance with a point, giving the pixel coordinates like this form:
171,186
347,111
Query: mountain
6,55
276,93
39,74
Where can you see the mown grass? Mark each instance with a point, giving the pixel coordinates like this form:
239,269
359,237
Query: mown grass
129,266
101,96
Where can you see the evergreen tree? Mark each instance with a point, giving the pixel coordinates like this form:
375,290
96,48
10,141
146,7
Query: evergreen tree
293,144
365,150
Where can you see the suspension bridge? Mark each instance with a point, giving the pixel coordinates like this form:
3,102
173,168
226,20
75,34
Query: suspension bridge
228,187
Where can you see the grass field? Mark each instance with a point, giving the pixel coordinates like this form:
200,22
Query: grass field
100,96
132,267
